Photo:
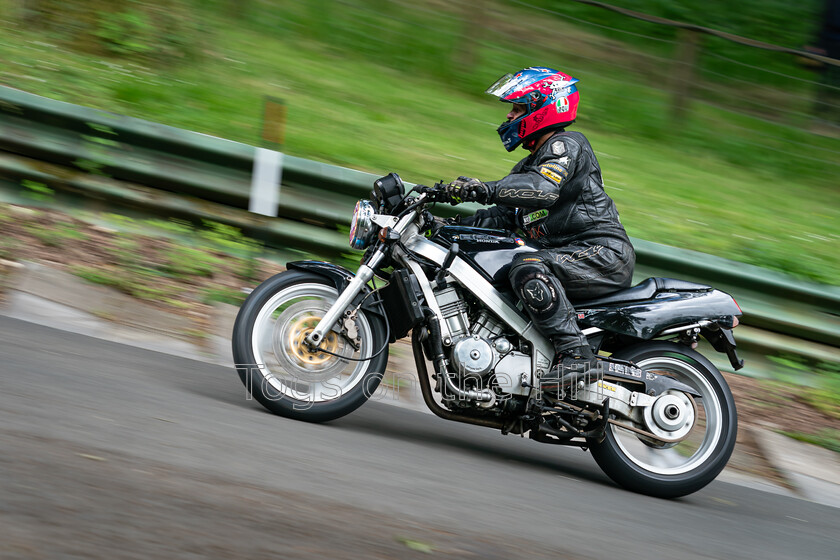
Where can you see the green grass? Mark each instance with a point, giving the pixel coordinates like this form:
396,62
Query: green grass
828,438
823,392
224,295
137,282
55,235
778,22
194,255
183,262
388,99
8,248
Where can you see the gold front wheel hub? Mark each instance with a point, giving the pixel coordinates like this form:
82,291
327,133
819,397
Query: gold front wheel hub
302,352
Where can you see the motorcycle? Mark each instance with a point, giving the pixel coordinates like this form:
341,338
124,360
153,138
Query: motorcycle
311,343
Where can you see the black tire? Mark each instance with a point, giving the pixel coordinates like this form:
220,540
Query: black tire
278,374
629,470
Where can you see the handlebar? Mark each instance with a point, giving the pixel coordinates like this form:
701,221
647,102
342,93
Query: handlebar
433,193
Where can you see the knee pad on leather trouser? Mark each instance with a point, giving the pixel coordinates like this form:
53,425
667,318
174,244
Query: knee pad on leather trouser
535,285
546,302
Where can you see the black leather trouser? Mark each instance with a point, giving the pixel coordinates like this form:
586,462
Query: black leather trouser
547,281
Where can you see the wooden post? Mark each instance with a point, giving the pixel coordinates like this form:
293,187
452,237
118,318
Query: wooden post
683,75
29,12
237,9
274,122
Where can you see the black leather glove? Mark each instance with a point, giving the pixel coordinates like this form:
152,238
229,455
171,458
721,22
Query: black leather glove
467,189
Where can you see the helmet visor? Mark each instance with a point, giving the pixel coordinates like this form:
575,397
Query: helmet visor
500,86
507,84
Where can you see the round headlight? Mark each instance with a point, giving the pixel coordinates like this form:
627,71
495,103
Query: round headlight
362,228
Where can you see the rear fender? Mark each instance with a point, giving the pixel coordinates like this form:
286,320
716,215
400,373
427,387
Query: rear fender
646,319
723,341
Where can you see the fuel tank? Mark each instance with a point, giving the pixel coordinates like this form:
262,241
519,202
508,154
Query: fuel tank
491,251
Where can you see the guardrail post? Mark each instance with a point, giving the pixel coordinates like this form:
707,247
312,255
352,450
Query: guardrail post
265,182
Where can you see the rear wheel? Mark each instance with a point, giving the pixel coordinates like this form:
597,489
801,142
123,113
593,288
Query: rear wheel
708,424
287,376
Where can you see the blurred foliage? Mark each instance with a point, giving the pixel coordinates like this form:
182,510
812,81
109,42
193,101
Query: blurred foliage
198,250
37,190
228,237
54,235
8,248
138,264
160,31
828,438
824,395
170,263
224,294
408,37
393,85
180,261
126,33
778,22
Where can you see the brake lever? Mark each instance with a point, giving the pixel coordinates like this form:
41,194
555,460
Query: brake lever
433,192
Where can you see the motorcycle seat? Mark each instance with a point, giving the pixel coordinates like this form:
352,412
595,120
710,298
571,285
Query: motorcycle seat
646,289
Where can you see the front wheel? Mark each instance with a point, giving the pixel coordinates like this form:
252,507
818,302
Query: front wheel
283,373
675,469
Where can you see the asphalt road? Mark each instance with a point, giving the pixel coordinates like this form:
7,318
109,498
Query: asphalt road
110,451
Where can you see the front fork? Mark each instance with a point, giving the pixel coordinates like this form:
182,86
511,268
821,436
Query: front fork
356,285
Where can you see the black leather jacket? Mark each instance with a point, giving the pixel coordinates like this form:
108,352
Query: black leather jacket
556,197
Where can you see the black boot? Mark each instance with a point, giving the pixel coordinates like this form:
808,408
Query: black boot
570,366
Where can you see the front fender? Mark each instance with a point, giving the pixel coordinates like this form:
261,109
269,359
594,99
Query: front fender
340,277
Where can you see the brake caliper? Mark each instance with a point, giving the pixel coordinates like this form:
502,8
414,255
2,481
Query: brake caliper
350,330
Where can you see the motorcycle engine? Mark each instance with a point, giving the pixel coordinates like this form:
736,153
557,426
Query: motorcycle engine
454,311
473,355
476,347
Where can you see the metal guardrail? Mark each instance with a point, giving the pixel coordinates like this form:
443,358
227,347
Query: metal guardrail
164,170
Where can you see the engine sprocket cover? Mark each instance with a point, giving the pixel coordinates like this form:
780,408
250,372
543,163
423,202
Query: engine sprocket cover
473,355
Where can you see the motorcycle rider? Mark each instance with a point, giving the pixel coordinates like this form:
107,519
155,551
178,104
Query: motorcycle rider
556,197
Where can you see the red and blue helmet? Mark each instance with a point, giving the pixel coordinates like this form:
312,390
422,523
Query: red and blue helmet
551,98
